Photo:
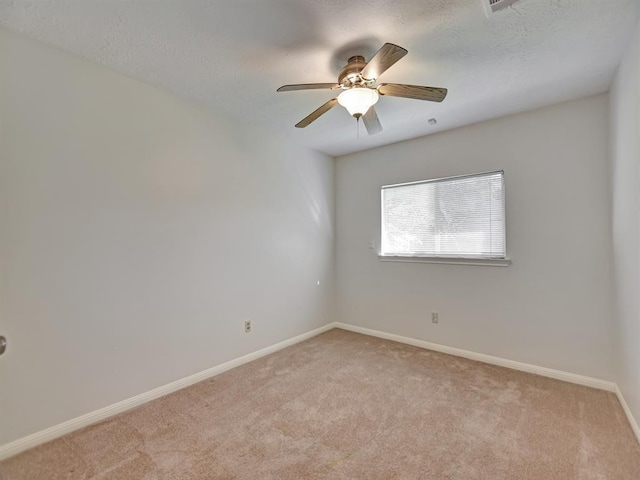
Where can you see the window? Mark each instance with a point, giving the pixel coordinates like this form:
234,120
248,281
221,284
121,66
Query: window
446,217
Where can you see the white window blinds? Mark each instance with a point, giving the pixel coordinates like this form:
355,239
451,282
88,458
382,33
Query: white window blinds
449,217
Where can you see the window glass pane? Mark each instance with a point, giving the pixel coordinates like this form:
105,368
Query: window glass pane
461,216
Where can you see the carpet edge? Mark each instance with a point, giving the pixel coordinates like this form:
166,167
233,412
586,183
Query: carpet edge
502,362
51,433
627,411
481,357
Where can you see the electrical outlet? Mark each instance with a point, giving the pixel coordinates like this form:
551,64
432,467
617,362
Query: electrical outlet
247,326
434,317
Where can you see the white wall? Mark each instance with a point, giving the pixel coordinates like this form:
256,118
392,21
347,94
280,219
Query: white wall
552,306
138,232
625,179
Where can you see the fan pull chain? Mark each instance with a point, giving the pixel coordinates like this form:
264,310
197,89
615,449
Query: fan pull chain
358,127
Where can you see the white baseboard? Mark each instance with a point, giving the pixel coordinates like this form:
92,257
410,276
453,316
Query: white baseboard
627,411
35,439
480,357
524,367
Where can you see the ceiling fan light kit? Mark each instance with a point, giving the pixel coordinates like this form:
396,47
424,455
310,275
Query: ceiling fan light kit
360,91
358,100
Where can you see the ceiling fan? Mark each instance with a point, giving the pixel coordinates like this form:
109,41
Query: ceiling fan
360,90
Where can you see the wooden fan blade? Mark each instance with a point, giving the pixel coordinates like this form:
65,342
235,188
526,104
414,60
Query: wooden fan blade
307,86
432,94
371,121
317,113
382,60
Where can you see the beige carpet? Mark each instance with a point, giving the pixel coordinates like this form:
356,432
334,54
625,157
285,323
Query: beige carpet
348,406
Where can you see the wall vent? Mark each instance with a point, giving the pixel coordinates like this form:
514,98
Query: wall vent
492,6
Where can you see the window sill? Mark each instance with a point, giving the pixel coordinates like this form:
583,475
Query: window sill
489,262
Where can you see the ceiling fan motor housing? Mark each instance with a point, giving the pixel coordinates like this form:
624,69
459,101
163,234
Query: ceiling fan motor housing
350,74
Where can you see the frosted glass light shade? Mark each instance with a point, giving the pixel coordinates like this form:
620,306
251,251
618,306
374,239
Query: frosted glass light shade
358,100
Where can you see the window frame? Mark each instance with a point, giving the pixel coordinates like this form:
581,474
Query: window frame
469,259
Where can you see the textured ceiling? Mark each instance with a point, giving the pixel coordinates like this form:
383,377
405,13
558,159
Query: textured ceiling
232,55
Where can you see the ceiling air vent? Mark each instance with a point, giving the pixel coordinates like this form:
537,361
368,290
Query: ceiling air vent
492,6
